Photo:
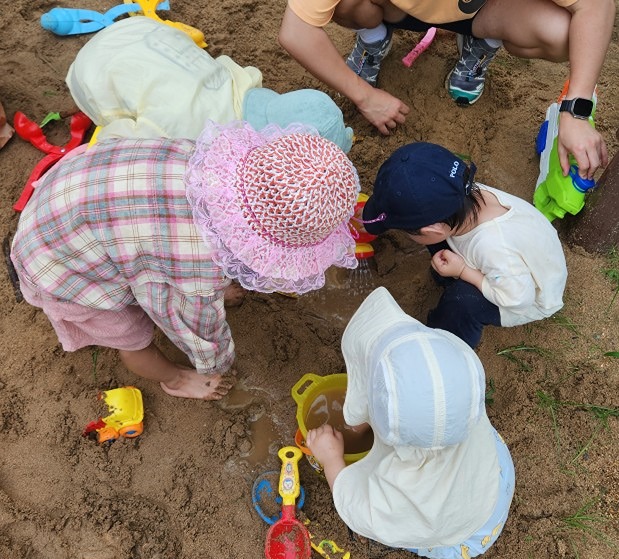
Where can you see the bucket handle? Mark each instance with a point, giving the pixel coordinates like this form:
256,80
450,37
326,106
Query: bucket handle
304,383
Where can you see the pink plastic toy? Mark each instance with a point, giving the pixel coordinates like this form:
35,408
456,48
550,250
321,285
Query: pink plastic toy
419,47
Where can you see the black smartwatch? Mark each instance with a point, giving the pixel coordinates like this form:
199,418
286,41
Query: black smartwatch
578,107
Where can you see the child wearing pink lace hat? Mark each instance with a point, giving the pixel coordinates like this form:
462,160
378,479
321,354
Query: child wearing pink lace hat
135,233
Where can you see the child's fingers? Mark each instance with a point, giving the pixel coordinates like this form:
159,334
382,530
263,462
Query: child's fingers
309,437
438,261
441,256
325,430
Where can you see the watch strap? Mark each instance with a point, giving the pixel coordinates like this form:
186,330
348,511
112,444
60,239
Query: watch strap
577,107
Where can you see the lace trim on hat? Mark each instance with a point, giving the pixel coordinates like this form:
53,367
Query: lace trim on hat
243,251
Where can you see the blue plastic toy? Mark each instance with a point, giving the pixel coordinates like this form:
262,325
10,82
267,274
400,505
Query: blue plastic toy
75,21
264,495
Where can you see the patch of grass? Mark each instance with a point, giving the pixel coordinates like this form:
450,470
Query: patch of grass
565,322
464,156
601,414
550,404
490,390
612,272
588,523
511,353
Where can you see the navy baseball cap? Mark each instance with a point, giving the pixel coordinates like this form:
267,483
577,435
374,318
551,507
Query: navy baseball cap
420,184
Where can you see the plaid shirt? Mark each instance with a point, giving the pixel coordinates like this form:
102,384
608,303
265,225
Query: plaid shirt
111,226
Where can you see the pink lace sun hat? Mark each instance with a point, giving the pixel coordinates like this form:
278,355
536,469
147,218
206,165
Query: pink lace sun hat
274,204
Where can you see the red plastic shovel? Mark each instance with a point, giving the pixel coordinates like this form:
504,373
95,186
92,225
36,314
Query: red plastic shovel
288,538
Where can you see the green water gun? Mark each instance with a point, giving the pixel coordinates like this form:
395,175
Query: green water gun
555,194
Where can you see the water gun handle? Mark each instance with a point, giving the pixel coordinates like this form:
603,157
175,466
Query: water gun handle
555,195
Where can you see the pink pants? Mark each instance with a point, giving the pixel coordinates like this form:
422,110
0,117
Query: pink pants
78,326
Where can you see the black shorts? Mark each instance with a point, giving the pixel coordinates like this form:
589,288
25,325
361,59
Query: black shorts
464,26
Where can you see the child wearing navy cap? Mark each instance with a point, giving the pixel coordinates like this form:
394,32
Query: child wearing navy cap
499,259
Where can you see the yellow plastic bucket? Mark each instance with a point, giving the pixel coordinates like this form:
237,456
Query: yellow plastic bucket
304,393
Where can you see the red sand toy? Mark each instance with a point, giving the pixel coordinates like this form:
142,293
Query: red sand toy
288,538
125,420
31,132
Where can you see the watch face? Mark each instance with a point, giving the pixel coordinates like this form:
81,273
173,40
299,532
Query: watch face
582,107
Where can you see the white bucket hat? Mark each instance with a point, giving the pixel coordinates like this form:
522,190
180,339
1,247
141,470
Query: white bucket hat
431,477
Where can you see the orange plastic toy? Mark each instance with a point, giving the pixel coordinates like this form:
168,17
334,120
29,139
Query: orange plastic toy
126,414
363,248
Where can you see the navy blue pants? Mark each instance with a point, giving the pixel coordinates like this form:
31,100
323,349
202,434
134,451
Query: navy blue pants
462,309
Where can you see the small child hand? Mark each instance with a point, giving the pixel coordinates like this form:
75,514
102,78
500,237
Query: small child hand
448,264
326,443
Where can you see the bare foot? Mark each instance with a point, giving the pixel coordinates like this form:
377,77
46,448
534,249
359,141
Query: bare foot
234,295
191,384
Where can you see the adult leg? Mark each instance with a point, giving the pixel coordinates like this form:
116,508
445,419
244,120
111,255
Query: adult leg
374,38
581,33
175,379
464,311
528,28
359,14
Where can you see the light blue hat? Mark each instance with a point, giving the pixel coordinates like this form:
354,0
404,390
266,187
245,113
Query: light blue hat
263,106
417,386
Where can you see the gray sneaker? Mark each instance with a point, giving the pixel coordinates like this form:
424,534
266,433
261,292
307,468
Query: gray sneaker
365,58
465,82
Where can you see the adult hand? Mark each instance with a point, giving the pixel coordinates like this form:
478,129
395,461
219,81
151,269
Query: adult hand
382,109
448,264
578,137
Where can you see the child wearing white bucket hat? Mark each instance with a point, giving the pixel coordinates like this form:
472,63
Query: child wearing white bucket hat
131,233
438,479
140,78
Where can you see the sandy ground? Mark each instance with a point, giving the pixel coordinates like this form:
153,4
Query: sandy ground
182,490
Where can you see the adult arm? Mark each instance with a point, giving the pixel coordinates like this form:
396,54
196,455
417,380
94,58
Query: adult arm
589,36
311,47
